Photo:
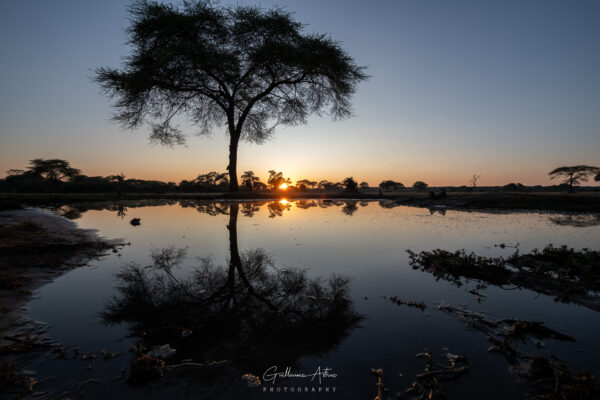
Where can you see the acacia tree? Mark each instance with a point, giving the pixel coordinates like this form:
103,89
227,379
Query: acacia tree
55,170
573,175
244,68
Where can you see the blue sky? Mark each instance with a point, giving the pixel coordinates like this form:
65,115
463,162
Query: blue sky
504,89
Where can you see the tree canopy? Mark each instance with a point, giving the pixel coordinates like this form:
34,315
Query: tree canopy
420,185
54,169
241,67
574,175
390,185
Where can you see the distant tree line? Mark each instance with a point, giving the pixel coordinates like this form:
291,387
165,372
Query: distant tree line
58,176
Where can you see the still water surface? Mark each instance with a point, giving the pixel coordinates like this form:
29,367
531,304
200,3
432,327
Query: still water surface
364,243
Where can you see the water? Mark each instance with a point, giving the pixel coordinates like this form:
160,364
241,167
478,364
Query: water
364,242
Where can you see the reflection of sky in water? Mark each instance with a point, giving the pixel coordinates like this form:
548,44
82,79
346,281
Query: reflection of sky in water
369,246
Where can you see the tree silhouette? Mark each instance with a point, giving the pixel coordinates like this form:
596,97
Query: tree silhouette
249,180
473,180
350,185
574,175
327,185
420,185
212,178
276,179
514,187
119,180
305,184
389,185
55,170
241,67
364,185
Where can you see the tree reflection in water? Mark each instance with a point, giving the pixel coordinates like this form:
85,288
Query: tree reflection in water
248,312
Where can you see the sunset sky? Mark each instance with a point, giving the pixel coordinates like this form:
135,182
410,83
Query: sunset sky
505,89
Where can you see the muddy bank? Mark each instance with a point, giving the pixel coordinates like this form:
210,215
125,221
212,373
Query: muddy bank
35,248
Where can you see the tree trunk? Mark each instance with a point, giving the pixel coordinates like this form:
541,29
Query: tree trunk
571,184
233,146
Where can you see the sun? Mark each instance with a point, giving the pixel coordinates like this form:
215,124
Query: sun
283,186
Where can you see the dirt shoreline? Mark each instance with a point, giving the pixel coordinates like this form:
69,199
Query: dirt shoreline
36,247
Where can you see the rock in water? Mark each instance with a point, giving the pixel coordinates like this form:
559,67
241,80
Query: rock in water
135,222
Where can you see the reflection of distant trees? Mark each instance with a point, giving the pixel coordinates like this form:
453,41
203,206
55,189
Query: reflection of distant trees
249,208
76,210
248,312
439,210
350,208
121,210
206,207
306,204
276,208
579,221
389,204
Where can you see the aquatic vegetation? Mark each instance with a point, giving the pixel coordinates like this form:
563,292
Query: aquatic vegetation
14,381
145,368
552,380
562,272
417,304
549,379
427,385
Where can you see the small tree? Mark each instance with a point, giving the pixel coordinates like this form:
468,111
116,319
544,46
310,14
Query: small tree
420,185
241,67
350,185
473,180
364,185
389,185
249,180
574,175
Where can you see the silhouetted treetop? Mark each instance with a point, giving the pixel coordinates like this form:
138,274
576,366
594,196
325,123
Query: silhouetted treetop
53,169
420,185
242,67
574,175
390,185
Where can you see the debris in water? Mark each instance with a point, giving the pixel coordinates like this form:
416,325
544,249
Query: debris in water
146,368
379,374
162,352
251,380
417,304
135,221
427,385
